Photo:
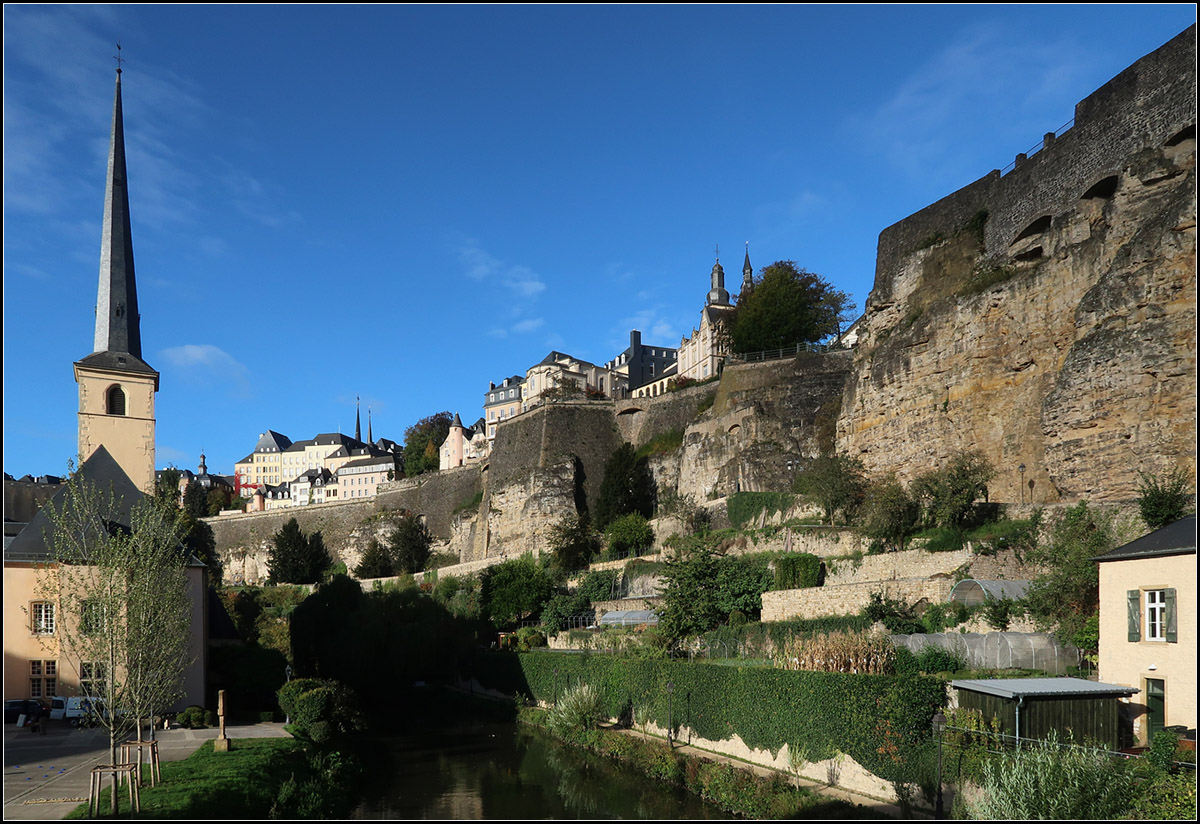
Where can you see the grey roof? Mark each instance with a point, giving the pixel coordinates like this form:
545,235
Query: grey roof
1042,687
994,590
102,471
118,326
371,460
1178,538
299,446
271,441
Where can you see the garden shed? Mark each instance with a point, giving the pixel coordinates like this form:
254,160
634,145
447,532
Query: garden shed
972,591
1032,707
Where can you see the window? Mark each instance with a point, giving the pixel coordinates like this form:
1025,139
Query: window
91,617
43,618
1156,614
43,681
1152,615
115,401
91,678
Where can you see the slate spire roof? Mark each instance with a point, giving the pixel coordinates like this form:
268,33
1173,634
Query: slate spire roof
118,340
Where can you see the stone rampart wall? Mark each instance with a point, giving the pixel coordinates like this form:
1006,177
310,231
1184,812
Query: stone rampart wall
849,599
642,419
1147,104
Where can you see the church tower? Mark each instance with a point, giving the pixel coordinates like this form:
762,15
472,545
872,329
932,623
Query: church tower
116,387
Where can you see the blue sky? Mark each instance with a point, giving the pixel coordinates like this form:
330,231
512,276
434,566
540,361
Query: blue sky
404,203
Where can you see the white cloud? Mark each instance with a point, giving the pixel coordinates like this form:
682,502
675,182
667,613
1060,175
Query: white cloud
529,325
208,364
482,265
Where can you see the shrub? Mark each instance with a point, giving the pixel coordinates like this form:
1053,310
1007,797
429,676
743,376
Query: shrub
1163,500
327,713
629,535
580,708
290,693
797,571
529,638
742,507
1044,780
210,718
191,718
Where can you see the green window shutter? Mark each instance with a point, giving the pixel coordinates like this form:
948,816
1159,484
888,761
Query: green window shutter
1134,599
1172,632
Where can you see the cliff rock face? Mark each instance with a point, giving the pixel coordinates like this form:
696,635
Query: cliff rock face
1078,362
1046,317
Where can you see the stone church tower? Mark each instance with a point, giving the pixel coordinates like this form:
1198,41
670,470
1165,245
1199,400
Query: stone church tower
116,387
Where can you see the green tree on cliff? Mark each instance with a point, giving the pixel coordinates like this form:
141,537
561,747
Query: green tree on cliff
421,442
627,487
296,558
787,305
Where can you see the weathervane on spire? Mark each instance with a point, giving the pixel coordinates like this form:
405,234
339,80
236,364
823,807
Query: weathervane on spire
118,57
717,251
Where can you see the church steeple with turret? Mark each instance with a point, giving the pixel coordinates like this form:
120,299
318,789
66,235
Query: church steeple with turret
116,387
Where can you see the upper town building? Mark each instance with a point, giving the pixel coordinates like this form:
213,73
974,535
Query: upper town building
462,445
116,452
641,365
703,355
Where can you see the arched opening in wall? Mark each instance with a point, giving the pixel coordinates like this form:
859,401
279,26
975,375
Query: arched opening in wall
633,410
1186,133
1102,190
1029,254
114,400
1036,228
737,427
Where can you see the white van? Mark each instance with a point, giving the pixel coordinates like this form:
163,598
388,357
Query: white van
73,710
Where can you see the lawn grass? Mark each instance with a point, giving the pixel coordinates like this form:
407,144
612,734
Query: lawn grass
241,783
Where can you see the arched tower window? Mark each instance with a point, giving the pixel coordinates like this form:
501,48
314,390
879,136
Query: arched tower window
115,400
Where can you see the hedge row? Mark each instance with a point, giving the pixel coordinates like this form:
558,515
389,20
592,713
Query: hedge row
883,722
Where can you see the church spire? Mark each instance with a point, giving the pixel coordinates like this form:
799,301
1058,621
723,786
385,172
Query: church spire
747,273
370,437
118,324
357,421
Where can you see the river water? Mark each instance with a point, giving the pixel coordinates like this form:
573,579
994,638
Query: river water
501,770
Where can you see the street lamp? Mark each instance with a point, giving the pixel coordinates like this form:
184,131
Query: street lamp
1021,469
939,727
287,674
670,725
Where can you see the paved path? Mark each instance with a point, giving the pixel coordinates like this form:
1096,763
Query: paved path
47,776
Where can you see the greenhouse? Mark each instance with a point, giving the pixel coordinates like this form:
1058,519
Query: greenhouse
972,591
629,618
999,650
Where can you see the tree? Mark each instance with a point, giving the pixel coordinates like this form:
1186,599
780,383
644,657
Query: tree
166,485
1066,597
195,502
296,558
421,442
514,590
889,512
573,542
787,305
409,543
376,562
1163,500
629,535
217,499
691,604
627,487
949,493
837,482
123,603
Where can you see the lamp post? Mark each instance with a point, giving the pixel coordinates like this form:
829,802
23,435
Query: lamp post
287,674
670,724
1021,469
939,727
